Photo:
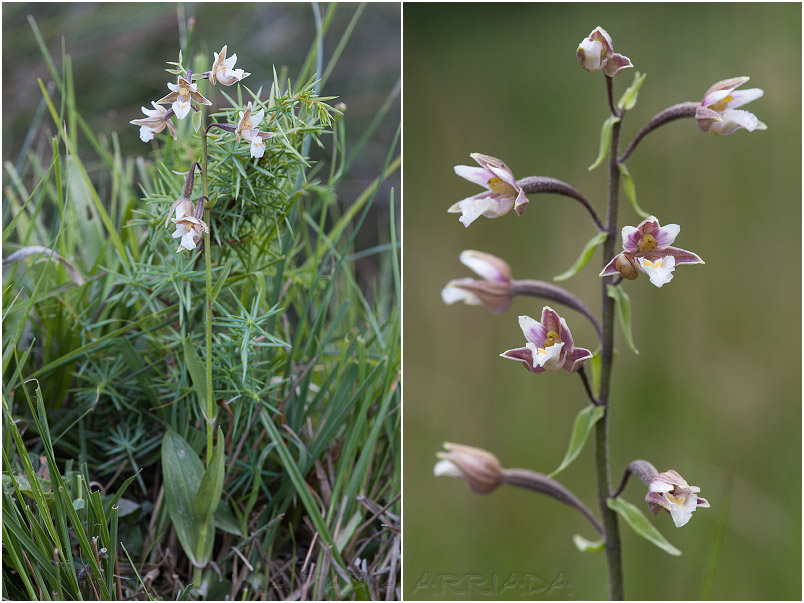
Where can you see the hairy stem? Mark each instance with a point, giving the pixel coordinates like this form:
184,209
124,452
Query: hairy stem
670,114
610,524
542,184
525,478
208,265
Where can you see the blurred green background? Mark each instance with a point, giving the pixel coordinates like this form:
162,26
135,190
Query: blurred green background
716,390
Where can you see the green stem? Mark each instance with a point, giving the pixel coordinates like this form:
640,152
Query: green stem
208,265
613,550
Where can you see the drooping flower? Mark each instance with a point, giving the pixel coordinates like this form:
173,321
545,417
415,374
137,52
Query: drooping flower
718,112
257,139
494,291
502,195
669,491
156,120
181,95
647,247
247,121
480,469
549,345
596,52
190,229
223,69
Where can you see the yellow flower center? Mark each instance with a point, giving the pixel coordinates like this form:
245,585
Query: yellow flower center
552,339
657,264
721,104
499,186
247,124
647,243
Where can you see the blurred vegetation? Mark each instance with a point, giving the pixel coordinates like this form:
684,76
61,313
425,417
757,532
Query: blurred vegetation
716,390
103,325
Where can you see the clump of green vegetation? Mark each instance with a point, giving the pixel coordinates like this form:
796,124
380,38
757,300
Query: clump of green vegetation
222,421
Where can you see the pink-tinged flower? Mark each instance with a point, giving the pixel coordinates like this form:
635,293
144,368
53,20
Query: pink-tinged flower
718,113
257,140
181,95
502,195
597,52
247,121
670,492
223,69
480,469
190,229
156,121
494,291
647,247
549,345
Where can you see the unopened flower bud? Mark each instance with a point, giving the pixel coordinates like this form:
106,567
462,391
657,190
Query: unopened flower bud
626,267
495,291
480,469
596,53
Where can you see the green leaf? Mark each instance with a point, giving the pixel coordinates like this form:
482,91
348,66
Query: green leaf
196,121
629,98
584,258
630,190
220,282
640,524
209,492
594,372
605,140
198,377
584,422
623,302
183,473
588,546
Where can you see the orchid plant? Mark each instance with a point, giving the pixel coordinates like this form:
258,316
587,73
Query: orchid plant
646,248
226,142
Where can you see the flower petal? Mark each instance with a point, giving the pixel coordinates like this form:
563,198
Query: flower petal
479,176
533,331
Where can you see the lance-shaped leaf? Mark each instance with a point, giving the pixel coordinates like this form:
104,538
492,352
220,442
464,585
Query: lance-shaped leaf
584,422
209,492
594,372
630,190
198,377
629,98
623,303
583,259
640,524
605,141
183,473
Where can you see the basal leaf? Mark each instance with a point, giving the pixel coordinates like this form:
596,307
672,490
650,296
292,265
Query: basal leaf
584,258
640,524
623,303
584,422
209,492
605,141
183,472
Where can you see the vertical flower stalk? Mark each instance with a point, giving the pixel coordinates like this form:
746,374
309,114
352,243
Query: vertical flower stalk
610,523
208,314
